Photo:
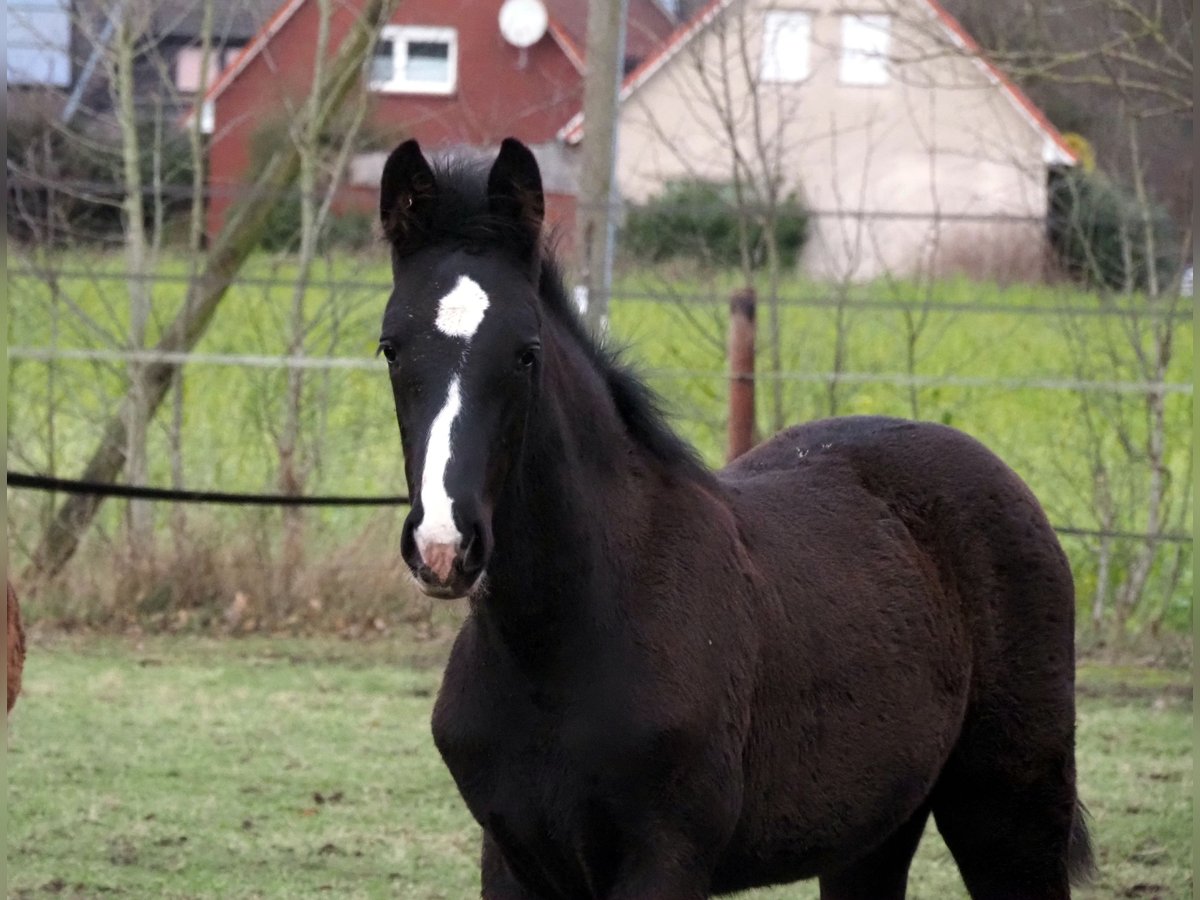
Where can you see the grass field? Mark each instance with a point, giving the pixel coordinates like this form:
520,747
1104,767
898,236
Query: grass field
176,768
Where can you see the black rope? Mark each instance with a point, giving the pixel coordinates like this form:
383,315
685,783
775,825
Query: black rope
97,488
132,492
1167,537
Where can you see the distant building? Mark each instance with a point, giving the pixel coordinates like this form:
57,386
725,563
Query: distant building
62,49
914,151
441,72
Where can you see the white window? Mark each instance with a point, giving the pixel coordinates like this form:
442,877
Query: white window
865,44
785,48
38,41
415,60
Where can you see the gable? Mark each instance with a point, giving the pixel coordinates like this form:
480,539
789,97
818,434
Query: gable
1056,150
282,15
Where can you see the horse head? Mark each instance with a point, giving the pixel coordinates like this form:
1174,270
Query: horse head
461,336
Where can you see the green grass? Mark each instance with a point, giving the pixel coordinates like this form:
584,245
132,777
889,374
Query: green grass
176,768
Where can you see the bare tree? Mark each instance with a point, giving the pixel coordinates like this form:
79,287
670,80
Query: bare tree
320,176
723,82
132,22
230,250
195,246
1133,64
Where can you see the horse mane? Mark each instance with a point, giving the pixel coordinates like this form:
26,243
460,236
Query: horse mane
639,405
461,218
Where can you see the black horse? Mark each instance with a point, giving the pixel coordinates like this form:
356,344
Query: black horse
674,683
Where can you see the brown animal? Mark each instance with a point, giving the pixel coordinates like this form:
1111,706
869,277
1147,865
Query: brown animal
16,647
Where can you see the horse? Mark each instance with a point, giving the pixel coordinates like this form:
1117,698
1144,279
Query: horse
673,682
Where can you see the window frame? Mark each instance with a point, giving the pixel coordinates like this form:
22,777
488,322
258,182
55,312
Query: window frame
38,39
769,69
856,59
400,37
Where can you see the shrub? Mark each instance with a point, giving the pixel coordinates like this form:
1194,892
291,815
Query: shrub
698,220
75,179
342,231
281,234
350,231
1098,231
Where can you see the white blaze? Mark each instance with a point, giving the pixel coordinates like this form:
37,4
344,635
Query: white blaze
459,314
437,525
461,310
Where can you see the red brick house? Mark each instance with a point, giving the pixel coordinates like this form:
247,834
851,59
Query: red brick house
442,72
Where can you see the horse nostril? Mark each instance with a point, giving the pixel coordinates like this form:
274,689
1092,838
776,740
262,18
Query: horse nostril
408,544
474,553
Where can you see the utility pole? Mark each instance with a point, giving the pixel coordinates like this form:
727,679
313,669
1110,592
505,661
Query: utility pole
594,217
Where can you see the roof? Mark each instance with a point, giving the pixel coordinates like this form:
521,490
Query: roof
647,26
572,132
1057,148
251,50
1028,109
233,21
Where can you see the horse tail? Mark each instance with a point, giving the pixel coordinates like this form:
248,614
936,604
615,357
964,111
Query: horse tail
1081,861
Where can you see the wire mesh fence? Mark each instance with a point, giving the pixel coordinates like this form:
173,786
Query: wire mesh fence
284,394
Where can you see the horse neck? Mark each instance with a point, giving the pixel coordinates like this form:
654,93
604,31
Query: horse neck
570,520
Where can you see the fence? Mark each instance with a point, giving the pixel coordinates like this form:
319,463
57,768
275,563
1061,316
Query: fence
1054,379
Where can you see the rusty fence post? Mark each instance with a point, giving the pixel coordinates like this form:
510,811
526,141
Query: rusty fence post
741,372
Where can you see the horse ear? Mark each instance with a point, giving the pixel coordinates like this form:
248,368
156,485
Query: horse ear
407,194
515,190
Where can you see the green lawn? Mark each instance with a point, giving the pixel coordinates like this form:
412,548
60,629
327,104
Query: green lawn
172,767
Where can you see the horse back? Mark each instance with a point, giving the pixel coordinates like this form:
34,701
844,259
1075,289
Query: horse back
907,580
974,525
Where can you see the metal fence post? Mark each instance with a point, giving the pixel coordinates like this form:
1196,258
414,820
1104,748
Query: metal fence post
741,372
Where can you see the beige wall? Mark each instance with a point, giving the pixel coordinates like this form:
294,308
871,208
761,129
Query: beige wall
890,170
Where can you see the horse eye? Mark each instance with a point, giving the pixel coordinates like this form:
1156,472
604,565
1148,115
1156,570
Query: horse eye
526,358
388,351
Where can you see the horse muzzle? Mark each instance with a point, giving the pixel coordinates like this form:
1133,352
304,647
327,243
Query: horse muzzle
445,569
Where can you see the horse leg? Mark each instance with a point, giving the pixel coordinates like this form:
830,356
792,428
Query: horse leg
1010,836
663,867
883,873
497,880
661,885
648,876
1005,801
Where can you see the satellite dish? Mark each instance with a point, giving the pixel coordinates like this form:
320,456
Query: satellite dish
523,22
